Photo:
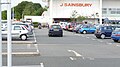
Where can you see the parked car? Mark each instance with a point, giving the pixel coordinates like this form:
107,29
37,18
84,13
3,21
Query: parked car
30,23
55,30
97,26
63,25
86,29
39,26
116,35
18,31
104,31
70,26
27,25
77,27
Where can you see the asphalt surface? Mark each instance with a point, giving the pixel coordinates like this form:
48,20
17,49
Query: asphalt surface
71,50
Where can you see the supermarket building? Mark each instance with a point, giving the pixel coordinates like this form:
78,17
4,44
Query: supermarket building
93,9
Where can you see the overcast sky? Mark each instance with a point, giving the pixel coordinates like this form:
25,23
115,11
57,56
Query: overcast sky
15,2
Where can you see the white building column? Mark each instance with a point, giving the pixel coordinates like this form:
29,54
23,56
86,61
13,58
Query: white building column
9,40
0,37
50,7
100,15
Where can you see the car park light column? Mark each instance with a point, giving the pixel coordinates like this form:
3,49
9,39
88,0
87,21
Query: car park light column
51,17
0,37
9,42
100,15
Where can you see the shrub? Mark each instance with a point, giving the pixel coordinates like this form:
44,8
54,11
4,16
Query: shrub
35,24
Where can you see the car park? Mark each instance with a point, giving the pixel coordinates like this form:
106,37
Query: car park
18,31
55,30
86,29
116,35
104,31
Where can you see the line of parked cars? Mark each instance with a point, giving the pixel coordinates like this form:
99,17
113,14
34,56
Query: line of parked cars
19,30
99,30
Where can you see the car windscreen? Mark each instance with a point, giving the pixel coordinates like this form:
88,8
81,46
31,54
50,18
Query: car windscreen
108,28
85,26
55,26
117,30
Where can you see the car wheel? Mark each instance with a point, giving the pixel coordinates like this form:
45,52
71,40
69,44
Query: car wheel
102,36
23,37
61,35
115,40
97,37
78,31
84,32
49,35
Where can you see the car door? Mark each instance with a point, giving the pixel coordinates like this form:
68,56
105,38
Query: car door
92,29
108,31
16,30
84,28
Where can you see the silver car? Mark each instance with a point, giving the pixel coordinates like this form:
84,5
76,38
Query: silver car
28,26
18,31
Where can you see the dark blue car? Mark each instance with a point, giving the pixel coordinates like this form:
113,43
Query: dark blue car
104,31
55,30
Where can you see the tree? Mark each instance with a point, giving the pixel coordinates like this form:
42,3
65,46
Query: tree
33,9
73,16
19,9
81,18
29,9
4,15
25,8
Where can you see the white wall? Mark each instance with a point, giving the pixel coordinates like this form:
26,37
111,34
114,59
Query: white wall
40,19
65,12
111,4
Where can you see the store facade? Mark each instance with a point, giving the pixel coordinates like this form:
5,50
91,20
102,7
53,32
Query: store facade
88,8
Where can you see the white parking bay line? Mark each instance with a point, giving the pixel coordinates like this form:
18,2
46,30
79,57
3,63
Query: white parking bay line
34,36
77,34
28,45
93,39
118,45
72,58
87,37
36,45
99,40
109,43
76,54
41,65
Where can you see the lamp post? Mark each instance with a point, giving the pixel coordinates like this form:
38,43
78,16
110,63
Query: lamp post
0,38
13,13
51,17
100,17
9,44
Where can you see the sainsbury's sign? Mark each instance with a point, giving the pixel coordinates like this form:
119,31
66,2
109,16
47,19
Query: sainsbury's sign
76,4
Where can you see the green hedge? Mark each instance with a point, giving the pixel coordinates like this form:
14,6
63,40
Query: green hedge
35,24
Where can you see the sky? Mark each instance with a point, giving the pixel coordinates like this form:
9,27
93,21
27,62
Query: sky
15,3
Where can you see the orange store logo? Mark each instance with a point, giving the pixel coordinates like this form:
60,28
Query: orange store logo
76,4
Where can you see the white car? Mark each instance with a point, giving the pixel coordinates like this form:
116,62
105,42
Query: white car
28,26
18,31
63,24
